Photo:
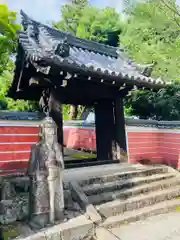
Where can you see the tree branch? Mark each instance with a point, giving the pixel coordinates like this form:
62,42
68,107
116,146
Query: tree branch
174,10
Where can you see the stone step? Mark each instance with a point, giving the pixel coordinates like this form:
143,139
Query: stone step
124,175
77,228
140,214
123,194
119,206
97,188
86,163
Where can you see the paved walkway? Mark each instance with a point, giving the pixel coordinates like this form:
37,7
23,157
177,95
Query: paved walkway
162,227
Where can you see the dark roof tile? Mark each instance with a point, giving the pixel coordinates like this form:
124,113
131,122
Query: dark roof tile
41,42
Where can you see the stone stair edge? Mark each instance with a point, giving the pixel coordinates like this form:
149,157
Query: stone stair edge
155,177
139,214
176,186
135,191
139,203
154,170
79,196
142,195
79,225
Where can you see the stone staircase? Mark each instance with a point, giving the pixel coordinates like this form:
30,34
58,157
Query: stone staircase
130,196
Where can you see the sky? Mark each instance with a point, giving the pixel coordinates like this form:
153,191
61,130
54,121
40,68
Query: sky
48,10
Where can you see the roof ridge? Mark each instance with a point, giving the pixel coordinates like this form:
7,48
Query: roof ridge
90,45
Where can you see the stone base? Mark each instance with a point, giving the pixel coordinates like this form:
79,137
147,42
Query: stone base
14,204
76,228
13,210
39,221
7,190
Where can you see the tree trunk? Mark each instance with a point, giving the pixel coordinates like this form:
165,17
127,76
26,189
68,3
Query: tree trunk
73,112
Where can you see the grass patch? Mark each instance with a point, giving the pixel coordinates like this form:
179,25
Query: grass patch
82,155
10,231
178,208
124,223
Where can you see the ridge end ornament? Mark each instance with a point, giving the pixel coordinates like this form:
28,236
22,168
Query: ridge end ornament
63,48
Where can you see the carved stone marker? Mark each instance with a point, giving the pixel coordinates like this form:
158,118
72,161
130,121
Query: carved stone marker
46,197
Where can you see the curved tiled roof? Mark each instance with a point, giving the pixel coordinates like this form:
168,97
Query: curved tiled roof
43,43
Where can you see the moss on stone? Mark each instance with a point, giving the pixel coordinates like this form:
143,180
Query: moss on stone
178,208
82,155
10,231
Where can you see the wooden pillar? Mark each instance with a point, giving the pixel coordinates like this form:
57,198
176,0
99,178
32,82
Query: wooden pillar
110,130
55,111
121,147
105,129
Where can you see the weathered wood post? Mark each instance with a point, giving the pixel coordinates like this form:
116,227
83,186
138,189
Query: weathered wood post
120,131
105,129
110,129
55,111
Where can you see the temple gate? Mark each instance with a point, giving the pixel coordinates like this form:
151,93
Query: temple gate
55,67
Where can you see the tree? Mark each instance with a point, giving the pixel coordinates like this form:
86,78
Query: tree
95,24
127,4
151,34
8,43
161,105
8,28
8,103
71,14
86,21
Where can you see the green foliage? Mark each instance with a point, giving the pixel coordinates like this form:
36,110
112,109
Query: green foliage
8,37
8,28
86,21
70,14
10,231
95,23
151,34
161,105
8,103
65,112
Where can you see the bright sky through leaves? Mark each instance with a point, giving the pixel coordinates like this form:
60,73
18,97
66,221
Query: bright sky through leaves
50,9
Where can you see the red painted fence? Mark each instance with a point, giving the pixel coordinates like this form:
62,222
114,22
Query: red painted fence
157,145
16,138
147,140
